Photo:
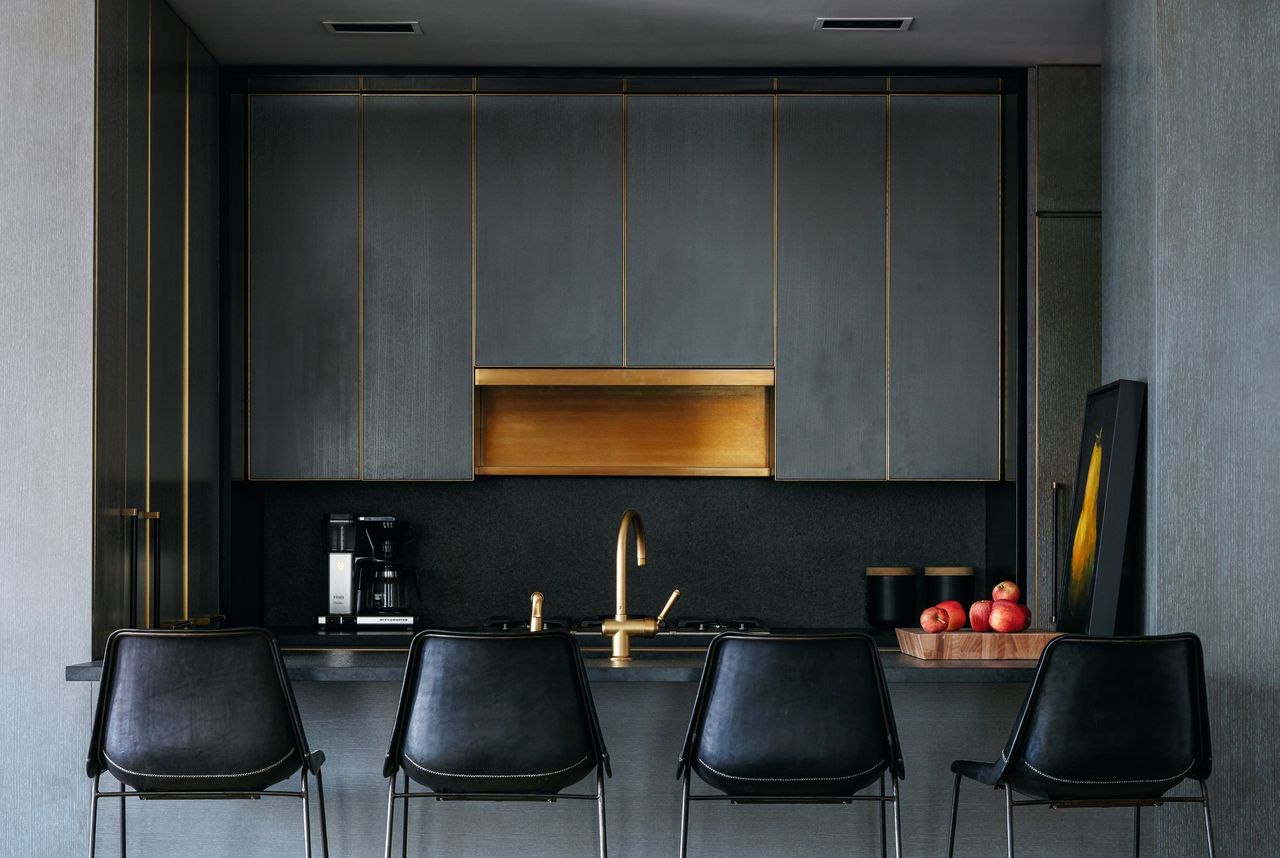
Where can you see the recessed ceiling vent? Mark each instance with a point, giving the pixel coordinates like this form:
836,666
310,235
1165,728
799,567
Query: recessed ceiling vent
879,25
374,28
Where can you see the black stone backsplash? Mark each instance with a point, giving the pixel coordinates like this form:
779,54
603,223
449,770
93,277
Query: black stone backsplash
791,554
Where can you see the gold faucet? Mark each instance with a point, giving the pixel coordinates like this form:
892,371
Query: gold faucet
621,628
535,614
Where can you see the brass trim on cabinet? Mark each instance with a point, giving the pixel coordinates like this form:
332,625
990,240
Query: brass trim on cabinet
622,376
186,334
360,283
888,256
146,489
625,121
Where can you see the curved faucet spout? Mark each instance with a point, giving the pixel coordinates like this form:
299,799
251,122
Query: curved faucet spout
630,520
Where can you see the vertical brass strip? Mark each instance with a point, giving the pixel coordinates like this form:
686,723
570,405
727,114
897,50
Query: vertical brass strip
186,336
247,178
1035,255
624,222
476,446
147,424
360,286
888,244
773,411
1000,398
93,449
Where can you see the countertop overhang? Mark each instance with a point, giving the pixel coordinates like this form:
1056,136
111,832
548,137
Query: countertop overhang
647,666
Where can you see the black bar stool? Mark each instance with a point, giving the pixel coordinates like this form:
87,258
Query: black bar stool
199,715
793,719
494,717
1107,722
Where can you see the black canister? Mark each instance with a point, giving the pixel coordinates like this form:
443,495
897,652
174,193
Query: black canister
944,583
891,596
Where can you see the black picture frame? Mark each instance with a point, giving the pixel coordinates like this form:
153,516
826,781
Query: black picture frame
1103,492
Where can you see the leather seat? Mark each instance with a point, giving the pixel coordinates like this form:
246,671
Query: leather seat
1106,721
507,715
198,712
792,717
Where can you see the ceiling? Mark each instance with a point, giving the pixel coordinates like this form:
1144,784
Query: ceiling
638,33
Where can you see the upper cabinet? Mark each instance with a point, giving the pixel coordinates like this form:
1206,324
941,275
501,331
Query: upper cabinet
304,286
549,218
699,230
944,288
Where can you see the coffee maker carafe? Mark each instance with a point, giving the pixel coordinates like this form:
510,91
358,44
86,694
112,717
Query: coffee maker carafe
380,574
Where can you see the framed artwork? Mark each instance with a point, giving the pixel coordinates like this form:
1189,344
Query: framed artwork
1090,587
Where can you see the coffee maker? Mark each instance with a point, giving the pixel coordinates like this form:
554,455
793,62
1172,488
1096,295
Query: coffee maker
380,574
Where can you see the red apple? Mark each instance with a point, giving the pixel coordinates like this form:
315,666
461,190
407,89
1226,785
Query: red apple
955,611
1026,617
1008,616
980,615
1006,591
934,620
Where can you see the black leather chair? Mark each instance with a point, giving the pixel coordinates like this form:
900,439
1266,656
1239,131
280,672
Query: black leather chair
494,717
792,719
1107,722
198,715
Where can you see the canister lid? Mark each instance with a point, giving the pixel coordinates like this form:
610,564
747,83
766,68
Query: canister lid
948,571
890,571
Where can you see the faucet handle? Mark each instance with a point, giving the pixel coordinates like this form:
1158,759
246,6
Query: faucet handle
535,615
666,609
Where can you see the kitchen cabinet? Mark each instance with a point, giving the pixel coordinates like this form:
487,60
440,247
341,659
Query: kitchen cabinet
417,288
304,317
830,381
157,322
549,220
944,287
699,287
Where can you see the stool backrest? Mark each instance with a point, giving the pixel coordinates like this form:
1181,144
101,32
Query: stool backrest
474,704
787,705
192,702
1116,709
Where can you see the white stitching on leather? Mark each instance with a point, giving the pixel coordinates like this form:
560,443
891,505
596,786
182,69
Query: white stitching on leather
421,767
229,775
1176,777
790,780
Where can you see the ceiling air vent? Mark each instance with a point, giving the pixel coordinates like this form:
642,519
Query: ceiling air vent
874,24
374,28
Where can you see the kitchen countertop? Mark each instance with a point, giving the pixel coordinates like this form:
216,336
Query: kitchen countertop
651,665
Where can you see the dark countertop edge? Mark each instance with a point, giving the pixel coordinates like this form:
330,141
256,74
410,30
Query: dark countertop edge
352,666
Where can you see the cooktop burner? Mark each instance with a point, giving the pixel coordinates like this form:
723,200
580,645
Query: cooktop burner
716,624
515,624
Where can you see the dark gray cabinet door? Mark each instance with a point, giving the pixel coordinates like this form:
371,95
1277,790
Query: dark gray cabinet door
417,287
830,387
699,231
304,287
549,230
944,288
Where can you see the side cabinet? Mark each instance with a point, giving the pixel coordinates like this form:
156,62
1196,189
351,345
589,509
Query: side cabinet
549,216
304,286
417,288
944,287
830,388
699,230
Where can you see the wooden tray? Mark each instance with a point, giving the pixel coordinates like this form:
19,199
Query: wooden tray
969,644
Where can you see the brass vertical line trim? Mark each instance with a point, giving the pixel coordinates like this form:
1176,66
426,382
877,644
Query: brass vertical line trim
147,424
773,248
1000,403
888,244
93,447
360,284
246,320
186,336
475,207
625,144
1035,483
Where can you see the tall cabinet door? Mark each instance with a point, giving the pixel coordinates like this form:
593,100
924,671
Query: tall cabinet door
549,230
417,288
944,288
830,387
699,230
304,287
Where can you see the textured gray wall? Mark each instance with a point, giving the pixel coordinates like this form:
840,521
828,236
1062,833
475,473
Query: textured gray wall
1192,303
46,408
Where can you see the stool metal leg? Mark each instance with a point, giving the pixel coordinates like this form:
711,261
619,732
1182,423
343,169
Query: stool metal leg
897,819
604,835
1208,821
1137,831
884,828
93,817
684,816
123,851
955,812
391,806
306,813
1008,817
404,821
324,825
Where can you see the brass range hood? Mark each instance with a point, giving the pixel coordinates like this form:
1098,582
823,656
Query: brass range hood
624,422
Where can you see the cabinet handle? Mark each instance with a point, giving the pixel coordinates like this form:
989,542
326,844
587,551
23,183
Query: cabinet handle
1053,609
132,616
153,621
